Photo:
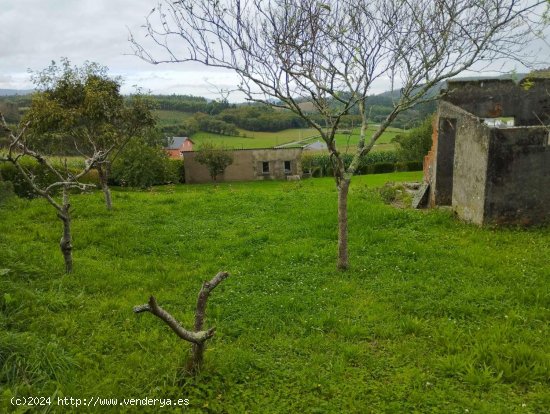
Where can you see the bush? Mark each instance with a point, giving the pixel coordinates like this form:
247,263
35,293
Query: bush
416,143
6,190
43,176
395,194
141,165
381,167
415,165
319,165
213,158
177,169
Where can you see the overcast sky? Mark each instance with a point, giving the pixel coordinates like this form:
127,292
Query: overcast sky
35,32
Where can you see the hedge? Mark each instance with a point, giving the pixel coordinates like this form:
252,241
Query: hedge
319,165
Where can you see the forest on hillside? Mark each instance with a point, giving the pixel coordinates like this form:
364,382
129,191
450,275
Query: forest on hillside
222,117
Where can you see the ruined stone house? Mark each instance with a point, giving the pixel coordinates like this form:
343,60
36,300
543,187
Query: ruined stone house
490,158
248,165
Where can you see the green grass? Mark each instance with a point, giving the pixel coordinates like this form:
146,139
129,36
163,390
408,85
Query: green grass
253,139
258,139
434,316
167,117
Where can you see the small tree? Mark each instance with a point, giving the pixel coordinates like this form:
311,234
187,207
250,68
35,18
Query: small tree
80,110
215,159
330,53
64,180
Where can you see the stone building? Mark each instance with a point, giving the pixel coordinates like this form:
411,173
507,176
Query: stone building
490,158
248,165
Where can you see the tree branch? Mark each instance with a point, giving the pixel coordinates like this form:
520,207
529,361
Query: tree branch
155,309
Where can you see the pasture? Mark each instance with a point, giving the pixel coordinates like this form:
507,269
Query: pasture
259,139
433,316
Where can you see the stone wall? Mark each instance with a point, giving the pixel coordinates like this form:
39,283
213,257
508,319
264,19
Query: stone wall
518,179
529,104
469,164
247,165
495,175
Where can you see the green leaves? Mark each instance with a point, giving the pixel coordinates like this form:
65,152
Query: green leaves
81,110
215,159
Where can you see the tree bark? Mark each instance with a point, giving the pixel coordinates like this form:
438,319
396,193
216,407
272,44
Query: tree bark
343,189
103,177
197,351
198,337
193,337
66,240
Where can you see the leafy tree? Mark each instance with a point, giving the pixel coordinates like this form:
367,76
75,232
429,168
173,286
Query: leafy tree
416,143
143,164
81,110
328,54
215,159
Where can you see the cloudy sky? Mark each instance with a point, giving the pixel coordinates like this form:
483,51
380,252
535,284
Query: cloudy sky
35,32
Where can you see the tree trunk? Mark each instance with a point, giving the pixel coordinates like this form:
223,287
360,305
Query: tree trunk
103,177
66,241
343,188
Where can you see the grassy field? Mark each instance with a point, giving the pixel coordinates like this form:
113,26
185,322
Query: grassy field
434,316
260,139
256,139
166,117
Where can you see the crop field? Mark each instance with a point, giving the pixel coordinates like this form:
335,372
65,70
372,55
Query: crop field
434,315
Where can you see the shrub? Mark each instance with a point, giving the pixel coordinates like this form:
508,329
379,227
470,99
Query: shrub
388,193
6,190
395,194
213,158
319,163
177,169
416,143
381,167
408,166
141,165
414,165
43,176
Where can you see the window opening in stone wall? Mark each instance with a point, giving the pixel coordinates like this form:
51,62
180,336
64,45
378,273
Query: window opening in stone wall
500,122
265,167
287,167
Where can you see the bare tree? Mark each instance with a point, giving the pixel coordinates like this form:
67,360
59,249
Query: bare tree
64,180
330,53
198,336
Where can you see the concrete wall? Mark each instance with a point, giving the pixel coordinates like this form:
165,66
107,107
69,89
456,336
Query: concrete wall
498,175
247,165
518,180
458,170
445,154
494,98
470,163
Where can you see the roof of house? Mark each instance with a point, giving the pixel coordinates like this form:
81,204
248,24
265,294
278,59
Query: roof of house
317,145
176,142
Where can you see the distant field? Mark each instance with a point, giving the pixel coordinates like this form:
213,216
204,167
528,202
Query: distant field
260,139
255,139
171,117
